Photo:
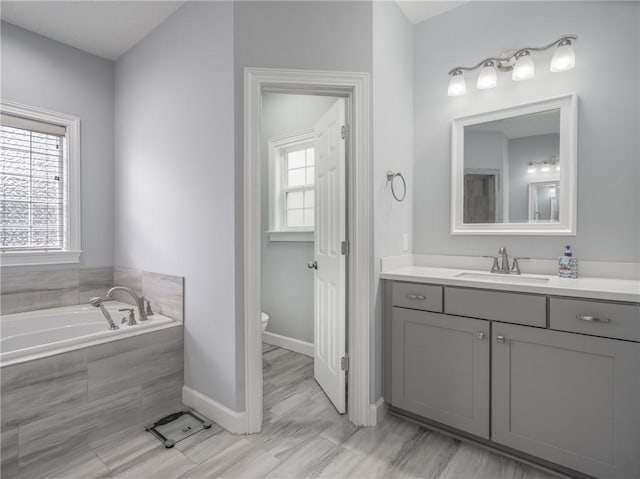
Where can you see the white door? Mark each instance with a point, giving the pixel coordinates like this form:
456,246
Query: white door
330,272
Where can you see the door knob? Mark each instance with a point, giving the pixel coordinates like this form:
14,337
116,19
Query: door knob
480,335
500,338
312,265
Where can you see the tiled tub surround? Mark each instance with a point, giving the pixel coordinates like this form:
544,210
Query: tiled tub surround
164,291
70,401
33,289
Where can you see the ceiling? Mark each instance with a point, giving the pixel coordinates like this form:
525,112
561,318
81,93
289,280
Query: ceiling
105,28
109,28
419,10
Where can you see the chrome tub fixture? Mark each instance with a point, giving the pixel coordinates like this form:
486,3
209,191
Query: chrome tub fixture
97,303
519,62
138,300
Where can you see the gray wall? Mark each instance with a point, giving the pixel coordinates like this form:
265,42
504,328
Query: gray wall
392,150
484,149
296,34
40,72
606,79
287,283
174,195
521,151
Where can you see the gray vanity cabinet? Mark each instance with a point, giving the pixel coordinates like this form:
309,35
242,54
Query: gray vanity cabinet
568,398
440,368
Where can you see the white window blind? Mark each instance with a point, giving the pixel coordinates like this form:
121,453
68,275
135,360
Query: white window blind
32,202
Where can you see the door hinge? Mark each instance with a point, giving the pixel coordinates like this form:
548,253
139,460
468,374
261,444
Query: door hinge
344,248
344,132
344,362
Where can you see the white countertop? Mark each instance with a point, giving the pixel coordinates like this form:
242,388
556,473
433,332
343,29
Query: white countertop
592,288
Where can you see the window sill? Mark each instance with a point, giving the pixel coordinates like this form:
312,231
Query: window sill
290,236
36,258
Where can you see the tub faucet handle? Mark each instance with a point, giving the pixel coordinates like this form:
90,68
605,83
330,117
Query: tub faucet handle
147,308
132,319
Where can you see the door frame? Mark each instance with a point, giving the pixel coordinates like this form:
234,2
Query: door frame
355,87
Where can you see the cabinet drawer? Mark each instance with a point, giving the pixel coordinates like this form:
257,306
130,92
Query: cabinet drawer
610,320
417,296
506,307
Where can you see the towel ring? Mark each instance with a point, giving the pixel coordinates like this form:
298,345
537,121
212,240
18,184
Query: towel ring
391,175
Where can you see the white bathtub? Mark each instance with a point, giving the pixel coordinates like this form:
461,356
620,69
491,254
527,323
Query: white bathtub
35,334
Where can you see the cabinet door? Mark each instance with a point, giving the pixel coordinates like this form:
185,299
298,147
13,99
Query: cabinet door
440,368
567,398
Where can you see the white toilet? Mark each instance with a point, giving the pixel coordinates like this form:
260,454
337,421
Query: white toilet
265,321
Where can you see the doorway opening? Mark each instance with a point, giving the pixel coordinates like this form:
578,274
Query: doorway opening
303,257
346,249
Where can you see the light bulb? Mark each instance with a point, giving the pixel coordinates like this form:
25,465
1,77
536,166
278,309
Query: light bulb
457,85
545,167
558,167
524,68
488,77
531,169
564,58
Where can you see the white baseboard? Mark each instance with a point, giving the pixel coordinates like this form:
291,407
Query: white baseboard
233,421
291,344
377,411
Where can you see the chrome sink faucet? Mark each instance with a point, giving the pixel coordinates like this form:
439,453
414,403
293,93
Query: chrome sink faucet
501,263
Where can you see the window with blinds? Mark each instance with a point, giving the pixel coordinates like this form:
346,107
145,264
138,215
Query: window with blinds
32,172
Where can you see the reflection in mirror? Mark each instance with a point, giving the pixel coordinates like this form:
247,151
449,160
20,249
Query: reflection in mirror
543,202
512,169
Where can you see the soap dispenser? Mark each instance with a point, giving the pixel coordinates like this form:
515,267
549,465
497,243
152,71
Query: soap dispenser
567,264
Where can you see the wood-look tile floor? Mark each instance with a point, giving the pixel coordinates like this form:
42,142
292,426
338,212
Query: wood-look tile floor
302,437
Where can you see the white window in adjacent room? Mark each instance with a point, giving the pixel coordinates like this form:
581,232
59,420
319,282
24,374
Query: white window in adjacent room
291,187
39,186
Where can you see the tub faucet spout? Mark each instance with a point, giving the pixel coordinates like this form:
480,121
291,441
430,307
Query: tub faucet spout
138,300
97,303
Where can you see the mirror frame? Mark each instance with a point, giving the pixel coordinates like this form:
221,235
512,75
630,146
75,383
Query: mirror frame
568,154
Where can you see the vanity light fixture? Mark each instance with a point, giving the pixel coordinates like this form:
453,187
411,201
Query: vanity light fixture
543,166
519,62
457,85
564,58
524,68
488,77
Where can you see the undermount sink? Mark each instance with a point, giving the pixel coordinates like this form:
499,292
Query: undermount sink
503,278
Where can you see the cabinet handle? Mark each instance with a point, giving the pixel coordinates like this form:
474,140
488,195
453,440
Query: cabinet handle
583,317
416,296
500,338
480,335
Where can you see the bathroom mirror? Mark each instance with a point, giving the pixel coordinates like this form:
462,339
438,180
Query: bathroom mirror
514,170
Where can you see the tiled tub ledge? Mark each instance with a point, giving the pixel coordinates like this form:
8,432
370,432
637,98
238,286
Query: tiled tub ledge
69,401
29,289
